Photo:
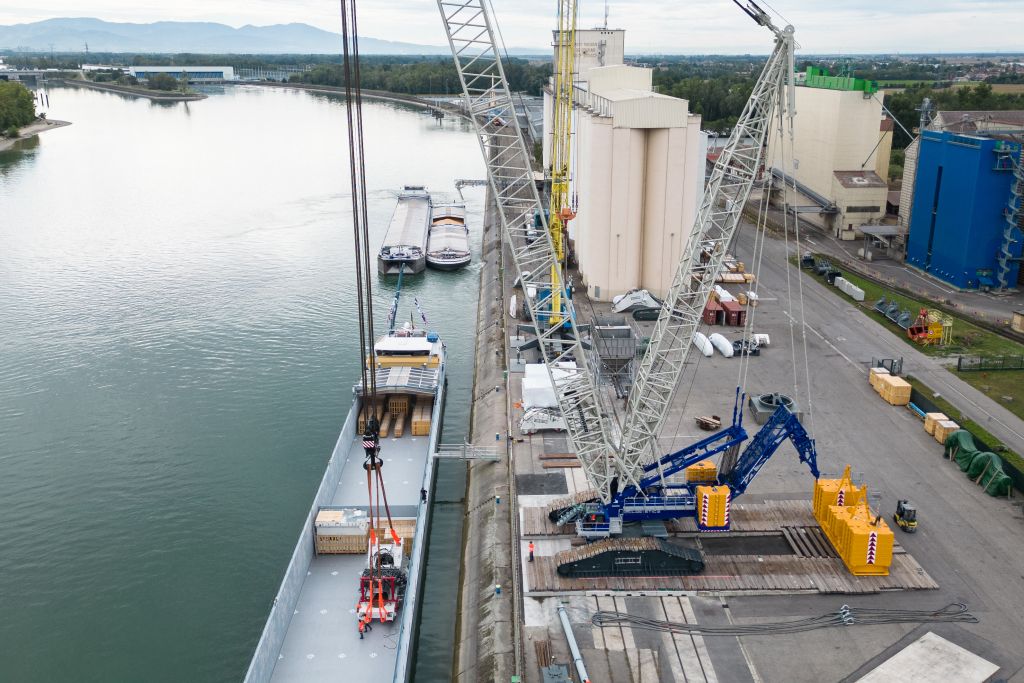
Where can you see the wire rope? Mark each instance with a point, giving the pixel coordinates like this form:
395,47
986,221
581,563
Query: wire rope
786,163
956,612
800,285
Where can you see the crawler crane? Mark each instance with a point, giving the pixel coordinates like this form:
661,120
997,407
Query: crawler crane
630,478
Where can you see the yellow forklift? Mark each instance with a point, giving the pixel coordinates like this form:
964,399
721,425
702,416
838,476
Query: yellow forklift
906,516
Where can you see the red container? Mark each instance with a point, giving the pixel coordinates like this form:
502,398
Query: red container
713,314
735,315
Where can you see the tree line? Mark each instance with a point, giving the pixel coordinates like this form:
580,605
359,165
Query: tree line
427,75
904,105
17,107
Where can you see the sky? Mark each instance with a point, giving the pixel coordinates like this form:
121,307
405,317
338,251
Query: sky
679,26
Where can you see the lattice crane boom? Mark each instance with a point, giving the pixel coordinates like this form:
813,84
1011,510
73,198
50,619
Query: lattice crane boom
720,212
470,32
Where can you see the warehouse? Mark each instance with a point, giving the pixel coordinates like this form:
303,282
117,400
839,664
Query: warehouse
194,74
966,221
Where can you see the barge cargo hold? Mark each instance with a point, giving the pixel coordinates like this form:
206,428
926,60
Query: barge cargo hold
312,633
448,238
405,244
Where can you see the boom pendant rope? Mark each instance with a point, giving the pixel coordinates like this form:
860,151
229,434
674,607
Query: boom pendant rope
357,188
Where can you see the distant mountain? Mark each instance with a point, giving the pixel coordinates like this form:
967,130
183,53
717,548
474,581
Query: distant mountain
71,35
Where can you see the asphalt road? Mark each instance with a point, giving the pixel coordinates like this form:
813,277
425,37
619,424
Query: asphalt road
969,542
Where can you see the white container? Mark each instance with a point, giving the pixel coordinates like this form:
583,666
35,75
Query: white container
761,339
722,344
702,343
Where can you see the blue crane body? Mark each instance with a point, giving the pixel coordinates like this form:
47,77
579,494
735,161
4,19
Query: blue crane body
656,499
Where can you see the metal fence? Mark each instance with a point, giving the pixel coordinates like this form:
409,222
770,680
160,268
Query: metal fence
976,363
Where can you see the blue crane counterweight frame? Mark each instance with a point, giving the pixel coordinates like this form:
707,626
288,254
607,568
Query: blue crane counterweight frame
658,500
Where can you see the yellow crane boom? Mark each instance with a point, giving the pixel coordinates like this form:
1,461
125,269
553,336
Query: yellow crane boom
561,210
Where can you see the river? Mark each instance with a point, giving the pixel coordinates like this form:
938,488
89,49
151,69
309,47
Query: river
178,344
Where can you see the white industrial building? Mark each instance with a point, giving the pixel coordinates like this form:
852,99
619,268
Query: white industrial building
194,74
637,172
839,156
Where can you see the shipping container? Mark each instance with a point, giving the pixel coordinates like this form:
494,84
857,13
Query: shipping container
713,314
735,314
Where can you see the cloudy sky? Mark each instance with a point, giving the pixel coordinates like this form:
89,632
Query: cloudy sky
684,26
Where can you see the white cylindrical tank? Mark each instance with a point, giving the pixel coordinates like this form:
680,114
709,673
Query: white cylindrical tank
702,343
722,344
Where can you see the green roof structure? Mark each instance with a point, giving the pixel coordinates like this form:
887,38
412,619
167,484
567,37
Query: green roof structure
820,78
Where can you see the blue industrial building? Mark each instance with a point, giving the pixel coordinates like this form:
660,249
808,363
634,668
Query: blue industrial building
966,224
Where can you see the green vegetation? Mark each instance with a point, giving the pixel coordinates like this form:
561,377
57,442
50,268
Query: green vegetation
717,88
980,97
163,82
423,75
896,162
967,339
954,414
999,383
17,107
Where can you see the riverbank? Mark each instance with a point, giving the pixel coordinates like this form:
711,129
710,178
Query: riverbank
155,95
31,130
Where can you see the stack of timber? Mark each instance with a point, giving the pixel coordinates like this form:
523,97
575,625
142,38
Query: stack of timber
347,532
421,417
893,390
363,413
931,419
551,461
943,428
873,375
341,532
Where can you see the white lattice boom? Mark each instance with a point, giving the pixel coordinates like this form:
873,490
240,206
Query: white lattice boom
721,208
510,176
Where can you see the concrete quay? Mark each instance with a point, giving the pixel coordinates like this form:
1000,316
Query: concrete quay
488,619
968,542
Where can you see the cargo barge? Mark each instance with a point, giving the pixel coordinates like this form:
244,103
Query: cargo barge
405,244
313,632
448,238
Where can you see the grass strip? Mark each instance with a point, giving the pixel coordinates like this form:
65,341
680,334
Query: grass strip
953,413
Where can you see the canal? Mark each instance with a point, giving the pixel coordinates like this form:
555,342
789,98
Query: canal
177,349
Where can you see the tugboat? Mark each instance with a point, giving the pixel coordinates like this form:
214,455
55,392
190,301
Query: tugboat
448,238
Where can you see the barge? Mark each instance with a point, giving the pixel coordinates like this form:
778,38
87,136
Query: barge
448,238
405,244
315,629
